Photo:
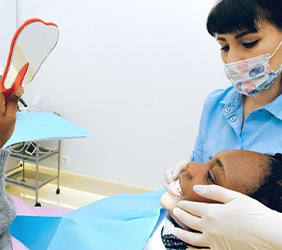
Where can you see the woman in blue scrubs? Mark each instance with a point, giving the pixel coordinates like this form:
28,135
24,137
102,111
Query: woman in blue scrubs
247,115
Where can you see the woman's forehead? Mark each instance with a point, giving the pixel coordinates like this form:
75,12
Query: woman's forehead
244,170
238,153
240,160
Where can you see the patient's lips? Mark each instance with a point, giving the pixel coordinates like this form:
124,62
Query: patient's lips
175,188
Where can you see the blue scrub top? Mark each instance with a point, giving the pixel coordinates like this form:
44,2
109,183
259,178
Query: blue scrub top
221,126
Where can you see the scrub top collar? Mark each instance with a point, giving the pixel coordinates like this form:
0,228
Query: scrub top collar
275,107
234,100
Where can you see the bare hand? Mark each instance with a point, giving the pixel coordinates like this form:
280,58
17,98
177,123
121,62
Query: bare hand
8,110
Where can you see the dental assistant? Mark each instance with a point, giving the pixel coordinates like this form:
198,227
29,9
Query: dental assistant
247,115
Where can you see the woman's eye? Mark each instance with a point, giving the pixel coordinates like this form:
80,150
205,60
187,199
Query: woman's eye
225,48
250,45
210,177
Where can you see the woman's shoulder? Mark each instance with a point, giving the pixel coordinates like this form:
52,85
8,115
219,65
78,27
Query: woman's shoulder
219,95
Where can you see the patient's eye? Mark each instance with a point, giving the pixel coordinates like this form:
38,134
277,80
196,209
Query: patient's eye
210,177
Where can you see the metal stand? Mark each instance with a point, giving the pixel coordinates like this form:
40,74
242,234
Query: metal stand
32,178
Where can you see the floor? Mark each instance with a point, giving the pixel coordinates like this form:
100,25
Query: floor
75,191
68,197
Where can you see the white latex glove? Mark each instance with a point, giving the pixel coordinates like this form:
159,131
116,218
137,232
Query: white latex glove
172,173
241,223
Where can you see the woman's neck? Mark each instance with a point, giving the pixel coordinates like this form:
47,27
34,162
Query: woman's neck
261,99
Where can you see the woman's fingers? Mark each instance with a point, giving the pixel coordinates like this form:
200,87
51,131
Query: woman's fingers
16,95
216,193
188,219
192,238
2,104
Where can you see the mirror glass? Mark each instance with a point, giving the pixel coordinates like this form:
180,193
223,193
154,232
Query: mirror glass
32,43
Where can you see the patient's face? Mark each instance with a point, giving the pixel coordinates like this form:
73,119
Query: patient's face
239,170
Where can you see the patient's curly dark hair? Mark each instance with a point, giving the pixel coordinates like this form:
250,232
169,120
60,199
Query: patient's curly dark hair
270,192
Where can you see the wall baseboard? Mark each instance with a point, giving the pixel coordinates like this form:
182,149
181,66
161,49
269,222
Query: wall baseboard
91,184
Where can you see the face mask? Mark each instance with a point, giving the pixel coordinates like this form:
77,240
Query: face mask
252,75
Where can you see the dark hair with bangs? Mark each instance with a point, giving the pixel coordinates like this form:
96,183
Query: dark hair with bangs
270,191
229,16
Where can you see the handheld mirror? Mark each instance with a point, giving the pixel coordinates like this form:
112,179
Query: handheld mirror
33,41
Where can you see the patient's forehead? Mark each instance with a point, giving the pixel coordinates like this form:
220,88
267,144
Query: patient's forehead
244,171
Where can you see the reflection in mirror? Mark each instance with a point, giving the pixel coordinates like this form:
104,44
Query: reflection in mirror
32,43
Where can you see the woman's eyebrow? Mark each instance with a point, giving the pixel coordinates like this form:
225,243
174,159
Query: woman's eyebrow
220,165
221,39
246,32
237,36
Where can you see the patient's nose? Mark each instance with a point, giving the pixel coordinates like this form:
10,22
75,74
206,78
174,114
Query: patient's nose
193,168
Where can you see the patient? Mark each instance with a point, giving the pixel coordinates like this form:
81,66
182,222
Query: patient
254,174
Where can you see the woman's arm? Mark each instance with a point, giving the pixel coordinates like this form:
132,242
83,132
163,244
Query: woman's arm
7,207
8,109
240,222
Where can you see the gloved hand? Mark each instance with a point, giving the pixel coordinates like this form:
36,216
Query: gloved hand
172,173
240,223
